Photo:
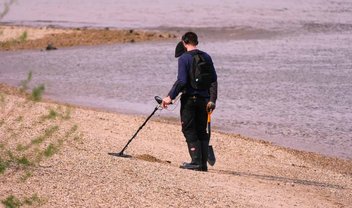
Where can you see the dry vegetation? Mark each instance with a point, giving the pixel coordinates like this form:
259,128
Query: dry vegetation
28,138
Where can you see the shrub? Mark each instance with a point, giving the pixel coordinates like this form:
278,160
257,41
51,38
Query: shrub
37,93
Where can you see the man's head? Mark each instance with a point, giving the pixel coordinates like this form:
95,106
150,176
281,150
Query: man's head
190,38
189,42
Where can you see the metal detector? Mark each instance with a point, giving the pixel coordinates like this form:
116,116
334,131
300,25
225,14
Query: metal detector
158,107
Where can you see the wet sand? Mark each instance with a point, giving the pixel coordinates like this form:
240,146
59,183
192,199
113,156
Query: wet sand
24,37
248,173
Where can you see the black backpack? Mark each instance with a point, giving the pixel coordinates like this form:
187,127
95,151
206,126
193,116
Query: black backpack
201,73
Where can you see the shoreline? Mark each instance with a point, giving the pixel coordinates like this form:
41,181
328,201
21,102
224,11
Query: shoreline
21,37
248,172
323,159
176,121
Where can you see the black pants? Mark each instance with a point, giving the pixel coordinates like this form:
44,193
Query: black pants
194,118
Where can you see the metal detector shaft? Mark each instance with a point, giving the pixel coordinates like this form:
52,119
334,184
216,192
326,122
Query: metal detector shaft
120,154
129,141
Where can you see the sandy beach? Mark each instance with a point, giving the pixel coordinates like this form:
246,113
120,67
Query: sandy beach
67,163
24,37
284,74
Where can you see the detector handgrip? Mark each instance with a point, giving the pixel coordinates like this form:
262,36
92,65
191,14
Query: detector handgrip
158,99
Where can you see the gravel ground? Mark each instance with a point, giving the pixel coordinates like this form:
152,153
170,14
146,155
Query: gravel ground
80,173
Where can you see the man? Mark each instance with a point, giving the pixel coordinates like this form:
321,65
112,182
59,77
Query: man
195,103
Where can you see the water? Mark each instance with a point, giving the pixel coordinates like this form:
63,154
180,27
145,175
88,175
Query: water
274,14
284,67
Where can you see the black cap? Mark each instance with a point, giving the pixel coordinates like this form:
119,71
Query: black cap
179,50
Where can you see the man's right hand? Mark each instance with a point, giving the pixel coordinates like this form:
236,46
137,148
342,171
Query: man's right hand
166,101
210,106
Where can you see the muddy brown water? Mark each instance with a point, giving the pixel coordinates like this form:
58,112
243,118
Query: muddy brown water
284,67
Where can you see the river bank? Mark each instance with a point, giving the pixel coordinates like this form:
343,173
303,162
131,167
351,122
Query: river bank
71,156
14,37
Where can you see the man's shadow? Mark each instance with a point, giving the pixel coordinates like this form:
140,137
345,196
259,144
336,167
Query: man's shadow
280,179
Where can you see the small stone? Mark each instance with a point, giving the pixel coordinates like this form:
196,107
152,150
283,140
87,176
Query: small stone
50,47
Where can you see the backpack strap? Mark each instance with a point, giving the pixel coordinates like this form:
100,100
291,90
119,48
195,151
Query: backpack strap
197,58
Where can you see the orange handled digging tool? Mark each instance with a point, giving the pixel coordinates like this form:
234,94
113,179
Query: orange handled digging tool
211,155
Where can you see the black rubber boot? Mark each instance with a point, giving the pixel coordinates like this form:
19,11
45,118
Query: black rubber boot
204,152
194,149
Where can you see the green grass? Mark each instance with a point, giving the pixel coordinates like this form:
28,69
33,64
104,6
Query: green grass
3,165
71,131
12,159
48,133
23,161
58,113
50,150
37,93
11,202
33,200
25,176
51,115
21,148
10,155
38,140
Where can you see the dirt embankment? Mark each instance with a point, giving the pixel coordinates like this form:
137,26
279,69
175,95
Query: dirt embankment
56,155
21,37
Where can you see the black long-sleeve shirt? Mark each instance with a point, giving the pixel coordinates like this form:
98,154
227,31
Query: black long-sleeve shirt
182,83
